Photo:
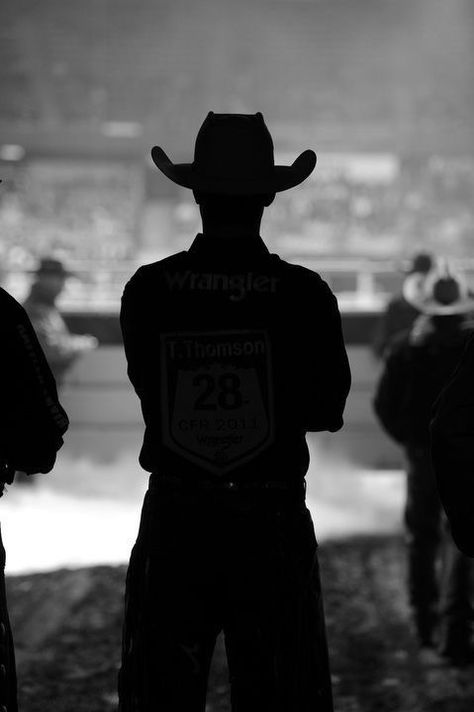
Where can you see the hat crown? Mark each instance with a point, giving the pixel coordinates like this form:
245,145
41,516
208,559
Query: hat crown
51,265
234,155
446,290
422,262
236,145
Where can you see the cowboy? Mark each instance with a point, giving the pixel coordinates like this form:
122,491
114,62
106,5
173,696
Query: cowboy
417,367
60,346
32,423
231,374
400,312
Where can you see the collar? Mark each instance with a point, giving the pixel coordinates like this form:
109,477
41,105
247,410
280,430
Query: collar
204,245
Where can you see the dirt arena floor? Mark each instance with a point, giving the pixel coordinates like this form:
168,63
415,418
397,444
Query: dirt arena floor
67,627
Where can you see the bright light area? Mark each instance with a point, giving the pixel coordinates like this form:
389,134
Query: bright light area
11,152
57,523
44,530
122,129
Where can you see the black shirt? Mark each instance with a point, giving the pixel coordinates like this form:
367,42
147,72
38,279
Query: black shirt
235,354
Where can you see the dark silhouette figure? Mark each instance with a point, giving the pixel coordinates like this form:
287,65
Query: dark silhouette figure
235,355
401,312
32,423
60,347
417,367
452,450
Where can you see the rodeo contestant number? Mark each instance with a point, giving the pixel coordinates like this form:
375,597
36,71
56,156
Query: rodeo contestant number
223,392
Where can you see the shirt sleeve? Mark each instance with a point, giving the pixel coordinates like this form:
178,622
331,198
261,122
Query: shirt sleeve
134,330
324,362
32,420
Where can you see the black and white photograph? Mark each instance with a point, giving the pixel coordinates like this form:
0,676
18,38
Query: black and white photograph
237,364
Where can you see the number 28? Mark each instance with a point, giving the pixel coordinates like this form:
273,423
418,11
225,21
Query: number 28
223,392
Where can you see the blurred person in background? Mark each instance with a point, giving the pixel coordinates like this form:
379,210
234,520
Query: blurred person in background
417,366
32,423
400,312
452,450
60,346
232,369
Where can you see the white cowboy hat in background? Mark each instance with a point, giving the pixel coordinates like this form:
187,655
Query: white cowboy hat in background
442,292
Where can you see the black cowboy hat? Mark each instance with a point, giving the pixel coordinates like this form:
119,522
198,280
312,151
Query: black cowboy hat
421,262
233,155
51,265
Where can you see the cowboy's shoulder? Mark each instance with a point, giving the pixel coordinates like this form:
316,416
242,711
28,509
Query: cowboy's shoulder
302,278
149,273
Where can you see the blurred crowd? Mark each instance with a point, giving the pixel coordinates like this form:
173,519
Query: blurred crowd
344,213
93,213
82,214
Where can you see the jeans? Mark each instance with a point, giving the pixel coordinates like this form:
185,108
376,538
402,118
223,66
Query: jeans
438,574
242,563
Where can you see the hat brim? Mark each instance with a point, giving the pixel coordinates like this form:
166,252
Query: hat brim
413,293
281,177
431,307
59,273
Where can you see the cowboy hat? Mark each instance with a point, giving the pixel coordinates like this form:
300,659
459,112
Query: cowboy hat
53,266
421,262
443,293
233,155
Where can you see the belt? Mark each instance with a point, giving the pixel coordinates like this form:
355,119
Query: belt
163,482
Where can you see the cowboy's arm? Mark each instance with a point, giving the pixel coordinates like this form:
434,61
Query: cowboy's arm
328,386
134,329
32,420
389,395
452,449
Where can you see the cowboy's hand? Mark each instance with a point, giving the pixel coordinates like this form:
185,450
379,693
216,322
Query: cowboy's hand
7,472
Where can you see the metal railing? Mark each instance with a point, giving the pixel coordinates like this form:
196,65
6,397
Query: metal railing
359,283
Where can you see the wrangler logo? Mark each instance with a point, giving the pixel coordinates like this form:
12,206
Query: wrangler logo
236,285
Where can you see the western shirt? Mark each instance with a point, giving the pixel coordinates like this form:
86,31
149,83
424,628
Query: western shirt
235,354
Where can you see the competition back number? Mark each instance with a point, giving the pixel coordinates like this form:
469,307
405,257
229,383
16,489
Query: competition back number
223,392
217,396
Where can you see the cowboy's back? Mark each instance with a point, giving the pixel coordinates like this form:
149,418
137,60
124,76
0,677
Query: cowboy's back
229,373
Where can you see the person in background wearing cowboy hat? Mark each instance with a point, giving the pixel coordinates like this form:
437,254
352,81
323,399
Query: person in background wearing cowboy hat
60,346
417,366
232,372
400,312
